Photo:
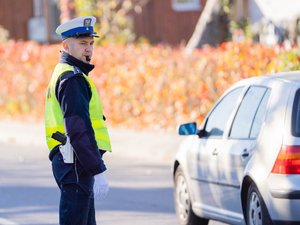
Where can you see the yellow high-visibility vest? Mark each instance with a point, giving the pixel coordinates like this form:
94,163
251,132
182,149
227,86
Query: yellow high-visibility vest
54,117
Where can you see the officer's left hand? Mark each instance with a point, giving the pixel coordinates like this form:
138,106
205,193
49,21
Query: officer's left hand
101,186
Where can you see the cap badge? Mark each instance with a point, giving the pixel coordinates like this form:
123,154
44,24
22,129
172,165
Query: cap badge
87,22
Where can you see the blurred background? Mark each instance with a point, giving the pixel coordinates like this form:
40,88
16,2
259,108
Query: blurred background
158,62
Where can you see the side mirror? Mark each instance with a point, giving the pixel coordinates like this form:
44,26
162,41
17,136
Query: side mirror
188,129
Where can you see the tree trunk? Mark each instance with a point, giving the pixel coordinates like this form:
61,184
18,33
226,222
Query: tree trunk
67,8
211,27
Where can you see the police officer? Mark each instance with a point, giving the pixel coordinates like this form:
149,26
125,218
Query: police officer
74,110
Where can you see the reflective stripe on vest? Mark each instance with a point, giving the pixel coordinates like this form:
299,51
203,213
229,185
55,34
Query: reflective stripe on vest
54,117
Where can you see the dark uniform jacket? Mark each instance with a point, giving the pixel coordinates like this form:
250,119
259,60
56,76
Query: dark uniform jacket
74,94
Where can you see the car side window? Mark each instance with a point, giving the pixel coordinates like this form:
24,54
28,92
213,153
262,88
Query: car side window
296,115
259,117
248,120
219,116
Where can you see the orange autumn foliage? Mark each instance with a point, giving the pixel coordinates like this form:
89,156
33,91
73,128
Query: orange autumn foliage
142,86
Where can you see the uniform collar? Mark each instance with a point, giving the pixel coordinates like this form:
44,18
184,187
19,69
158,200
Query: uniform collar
72,61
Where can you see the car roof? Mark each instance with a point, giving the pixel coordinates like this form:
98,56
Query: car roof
293,76
290,77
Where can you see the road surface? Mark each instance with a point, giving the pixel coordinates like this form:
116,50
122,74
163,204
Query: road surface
141,189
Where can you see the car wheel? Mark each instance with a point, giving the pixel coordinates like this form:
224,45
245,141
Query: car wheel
183,205
257,213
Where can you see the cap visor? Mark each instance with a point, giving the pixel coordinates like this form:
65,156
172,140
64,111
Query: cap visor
81,35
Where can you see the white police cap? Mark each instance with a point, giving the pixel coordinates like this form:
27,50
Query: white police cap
78,27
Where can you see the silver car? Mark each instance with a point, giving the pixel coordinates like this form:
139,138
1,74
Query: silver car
242,164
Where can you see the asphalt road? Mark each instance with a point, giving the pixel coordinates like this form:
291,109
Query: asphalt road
141,189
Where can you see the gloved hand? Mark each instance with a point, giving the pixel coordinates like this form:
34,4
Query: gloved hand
101,186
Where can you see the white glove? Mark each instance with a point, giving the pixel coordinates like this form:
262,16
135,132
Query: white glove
101,186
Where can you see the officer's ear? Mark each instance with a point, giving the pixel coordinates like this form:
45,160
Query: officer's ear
65,45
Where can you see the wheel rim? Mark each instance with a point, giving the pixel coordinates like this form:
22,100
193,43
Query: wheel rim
182,198
255,214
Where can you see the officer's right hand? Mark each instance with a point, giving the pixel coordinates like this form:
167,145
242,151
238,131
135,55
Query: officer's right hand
101,186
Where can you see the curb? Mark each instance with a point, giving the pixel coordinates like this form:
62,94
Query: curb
148,145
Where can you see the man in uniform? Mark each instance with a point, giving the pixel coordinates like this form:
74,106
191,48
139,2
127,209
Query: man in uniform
76,132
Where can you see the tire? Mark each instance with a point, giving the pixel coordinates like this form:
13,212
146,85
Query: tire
182,200
257,213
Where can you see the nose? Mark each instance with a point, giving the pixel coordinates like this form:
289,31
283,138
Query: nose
89,48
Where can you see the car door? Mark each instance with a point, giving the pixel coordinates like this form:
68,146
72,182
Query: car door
206,177
237,148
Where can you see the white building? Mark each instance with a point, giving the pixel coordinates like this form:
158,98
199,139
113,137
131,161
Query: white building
273,19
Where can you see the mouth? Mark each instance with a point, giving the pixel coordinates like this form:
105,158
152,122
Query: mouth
87,58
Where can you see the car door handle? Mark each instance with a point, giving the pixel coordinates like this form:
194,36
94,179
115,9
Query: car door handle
245,153
215,152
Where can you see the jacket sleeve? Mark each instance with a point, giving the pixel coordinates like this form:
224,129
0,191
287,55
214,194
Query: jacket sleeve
74,94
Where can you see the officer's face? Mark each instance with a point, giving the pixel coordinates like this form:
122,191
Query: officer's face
80,48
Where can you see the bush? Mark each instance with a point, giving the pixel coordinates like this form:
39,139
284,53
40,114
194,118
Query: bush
142,86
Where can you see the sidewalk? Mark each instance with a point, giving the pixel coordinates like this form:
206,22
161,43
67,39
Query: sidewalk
157,146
